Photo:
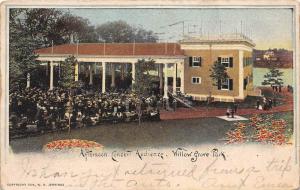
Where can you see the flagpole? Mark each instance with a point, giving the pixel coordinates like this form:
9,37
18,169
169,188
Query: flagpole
52,47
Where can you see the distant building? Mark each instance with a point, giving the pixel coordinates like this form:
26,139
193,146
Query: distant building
280,58
190,61
270,55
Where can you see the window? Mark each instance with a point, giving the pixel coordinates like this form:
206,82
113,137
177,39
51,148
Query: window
225,61
196,80
195,61
225,84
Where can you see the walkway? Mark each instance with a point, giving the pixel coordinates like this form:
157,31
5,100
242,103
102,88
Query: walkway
202,112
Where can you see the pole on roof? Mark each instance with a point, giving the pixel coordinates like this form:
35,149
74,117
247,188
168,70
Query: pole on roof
133,48
166,47
241,27
220,27
201,28
77,47
52,47
104,47
174,48
182,29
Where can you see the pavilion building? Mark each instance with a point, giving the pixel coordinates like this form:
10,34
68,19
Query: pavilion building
187,63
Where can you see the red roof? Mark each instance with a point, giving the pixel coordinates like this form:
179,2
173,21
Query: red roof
116,49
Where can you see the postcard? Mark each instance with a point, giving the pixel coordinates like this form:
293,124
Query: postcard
149,95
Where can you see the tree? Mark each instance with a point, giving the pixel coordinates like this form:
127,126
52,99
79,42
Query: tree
70,25
67,79
41,24
31,29
52,25
218,73
122,32
22,59
273,77
143,81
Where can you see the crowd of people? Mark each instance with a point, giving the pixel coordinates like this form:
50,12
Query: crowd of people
266,104
59,108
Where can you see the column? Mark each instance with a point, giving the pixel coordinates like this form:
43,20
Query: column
113,75
241,76
174,78
133,73
122,71
160,68
166,82
76,71
28,80
51,76
182,77
91,75
103,76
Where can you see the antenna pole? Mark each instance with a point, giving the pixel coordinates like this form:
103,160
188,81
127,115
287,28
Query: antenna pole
241,27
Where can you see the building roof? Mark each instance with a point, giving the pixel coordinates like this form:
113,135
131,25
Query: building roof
219,39
115,49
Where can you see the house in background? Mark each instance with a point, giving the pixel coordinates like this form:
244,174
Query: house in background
234,52
190,61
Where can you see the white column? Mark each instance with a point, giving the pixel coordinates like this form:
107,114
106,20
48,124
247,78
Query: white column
113,75
241,75
51,75
91,74
28,80
160,77
182,77
103,76
174,78
166,82
76,71
133,73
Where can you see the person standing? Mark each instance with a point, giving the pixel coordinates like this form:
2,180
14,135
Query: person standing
175,104
257,104
235,106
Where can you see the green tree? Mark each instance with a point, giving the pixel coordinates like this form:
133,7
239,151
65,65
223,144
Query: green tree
67,79
273,77
22,59
53,25
69,25
31,29
122,32
218,73
143,81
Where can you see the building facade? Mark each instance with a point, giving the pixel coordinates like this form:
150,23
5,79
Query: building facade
187,63
234,54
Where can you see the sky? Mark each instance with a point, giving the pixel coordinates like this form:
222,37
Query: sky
267,27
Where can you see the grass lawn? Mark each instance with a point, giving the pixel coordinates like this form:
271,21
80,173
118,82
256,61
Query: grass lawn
171,133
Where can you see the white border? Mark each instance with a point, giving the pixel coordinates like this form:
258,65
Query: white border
143,4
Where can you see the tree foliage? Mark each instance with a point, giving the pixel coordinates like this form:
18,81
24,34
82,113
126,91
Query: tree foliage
31,29
143,79
218,72
273,77
122,32
21,47
67,77
49,25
